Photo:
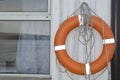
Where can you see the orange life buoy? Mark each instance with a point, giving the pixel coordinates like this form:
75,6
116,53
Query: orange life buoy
67,61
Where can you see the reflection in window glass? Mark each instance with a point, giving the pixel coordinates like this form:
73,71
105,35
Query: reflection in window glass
24,5
25,47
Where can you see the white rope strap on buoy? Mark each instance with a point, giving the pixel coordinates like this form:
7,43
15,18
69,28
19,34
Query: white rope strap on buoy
60,47
87,69
81,22
109,41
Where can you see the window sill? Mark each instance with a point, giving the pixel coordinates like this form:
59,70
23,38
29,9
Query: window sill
25,76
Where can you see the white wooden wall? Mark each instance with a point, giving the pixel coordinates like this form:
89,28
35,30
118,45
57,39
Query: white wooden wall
61,9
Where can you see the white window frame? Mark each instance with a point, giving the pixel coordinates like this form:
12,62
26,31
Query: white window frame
24,16
28,16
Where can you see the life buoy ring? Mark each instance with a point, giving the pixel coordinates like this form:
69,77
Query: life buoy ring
67,61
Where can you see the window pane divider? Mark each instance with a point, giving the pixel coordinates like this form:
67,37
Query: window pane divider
25,16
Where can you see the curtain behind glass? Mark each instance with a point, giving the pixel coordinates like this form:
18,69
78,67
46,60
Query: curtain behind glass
33,50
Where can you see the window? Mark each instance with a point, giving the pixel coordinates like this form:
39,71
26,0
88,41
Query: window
25,36
24,5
